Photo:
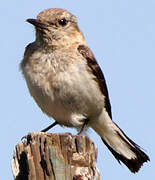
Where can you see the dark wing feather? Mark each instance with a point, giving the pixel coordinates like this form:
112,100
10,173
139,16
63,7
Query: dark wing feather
133,164
96,70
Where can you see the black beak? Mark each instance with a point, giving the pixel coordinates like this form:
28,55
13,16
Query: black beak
37,23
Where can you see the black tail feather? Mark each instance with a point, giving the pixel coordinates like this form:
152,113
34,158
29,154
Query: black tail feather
133,164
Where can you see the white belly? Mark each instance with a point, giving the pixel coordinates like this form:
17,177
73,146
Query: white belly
69,97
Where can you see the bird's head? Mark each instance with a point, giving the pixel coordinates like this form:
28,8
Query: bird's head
56,26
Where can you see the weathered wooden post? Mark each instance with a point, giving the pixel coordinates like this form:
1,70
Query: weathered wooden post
45,156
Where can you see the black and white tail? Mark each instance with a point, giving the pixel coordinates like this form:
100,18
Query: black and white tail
123,148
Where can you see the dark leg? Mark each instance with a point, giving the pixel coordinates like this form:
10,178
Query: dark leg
83,127
49,127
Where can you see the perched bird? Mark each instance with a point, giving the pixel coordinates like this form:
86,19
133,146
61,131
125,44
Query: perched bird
67,83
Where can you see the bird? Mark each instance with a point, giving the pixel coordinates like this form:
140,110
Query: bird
67,83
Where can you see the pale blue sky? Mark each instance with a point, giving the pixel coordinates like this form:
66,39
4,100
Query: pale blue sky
122,36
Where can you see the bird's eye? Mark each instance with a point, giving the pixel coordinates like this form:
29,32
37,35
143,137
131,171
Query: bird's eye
63,22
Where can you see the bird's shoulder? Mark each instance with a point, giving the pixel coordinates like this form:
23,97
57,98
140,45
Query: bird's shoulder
30,48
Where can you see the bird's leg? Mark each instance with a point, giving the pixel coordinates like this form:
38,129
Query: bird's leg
84,126
49,127
44,130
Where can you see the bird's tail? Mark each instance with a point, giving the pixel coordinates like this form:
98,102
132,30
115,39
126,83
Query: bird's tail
123,148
